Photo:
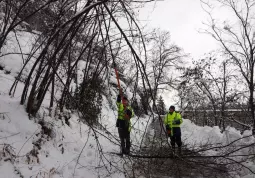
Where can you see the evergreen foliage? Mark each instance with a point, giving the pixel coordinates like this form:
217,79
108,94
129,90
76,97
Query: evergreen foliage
161,106
87,99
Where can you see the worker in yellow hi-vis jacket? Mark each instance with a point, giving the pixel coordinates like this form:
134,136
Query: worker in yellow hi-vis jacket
172,121
125,113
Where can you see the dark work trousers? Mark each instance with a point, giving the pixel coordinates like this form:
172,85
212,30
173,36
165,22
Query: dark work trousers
124,135
176,138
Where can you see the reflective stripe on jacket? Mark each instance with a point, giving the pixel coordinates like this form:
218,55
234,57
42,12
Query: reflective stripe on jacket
170,119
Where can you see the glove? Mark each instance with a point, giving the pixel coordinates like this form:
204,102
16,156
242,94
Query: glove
167,127
118,99
176,122
129,113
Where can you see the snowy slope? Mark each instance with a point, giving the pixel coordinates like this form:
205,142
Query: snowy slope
75,150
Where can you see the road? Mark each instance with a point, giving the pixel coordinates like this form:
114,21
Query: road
164,164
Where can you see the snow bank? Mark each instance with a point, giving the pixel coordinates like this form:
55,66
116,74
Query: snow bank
196,137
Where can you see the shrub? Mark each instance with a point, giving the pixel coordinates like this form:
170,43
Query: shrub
87,99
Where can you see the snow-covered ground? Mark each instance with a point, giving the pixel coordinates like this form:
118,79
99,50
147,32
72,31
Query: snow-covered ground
196,137
75,150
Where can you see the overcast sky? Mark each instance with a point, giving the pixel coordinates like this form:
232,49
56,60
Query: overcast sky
183,19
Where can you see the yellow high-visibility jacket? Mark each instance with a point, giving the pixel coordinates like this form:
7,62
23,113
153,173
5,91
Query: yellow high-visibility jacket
173,119
121,116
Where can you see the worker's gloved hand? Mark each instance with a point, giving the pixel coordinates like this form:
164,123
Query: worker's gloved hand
129,113
119,99
167,127
176,121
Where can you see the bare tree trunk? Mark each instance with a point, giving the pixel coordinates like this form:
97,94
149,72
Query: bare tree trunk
223,105
251,102
31,100
52,90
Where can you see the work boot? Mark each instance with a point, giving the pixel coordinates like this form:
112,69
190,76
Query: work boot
127,151
122,151
173,151
173,148
179,151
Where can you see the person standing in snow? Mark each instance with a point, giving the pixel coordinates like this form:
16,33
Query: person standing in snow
172,121
125,113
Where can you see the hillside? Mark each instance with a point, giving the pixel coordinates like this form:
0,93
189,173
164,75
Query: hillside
54,144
